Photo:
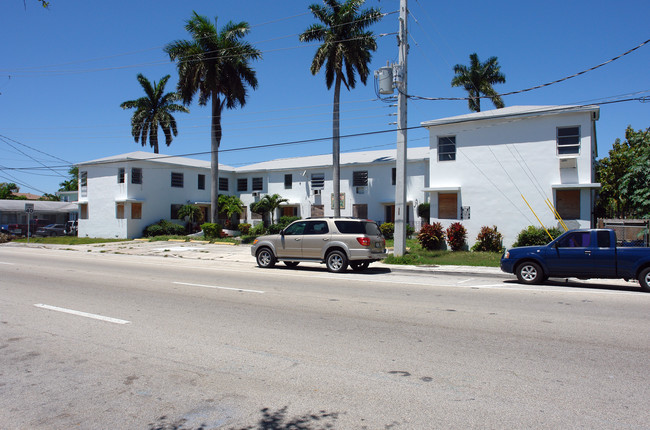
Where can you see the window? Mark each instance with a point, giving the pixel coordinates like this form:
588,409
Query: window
121,174
223,184
83,210
201,182
119,210
360,178
447,206
136,175
177,180
258,184
296,229
173,214
568,140
288,181
136,210
83,183
360,211
579,239
604,239
317,181
567,203
317,227
447,148
394,176
242,184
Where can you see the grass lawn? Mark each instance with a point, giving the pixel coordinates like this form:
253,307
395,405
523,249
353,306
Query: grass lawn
416,255
68,240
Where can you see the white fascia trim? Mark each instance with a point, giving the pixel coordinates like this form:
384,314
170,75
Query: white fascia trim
575,186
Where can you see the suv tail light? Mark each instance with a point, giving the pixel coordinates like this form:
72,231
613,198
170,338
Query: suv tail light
363,241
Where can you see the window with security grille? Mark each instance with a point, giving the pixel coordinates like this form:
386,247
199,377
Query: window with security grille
121,174
447,148
177,180
360,178
242,184
568,140
258,184
317,181
136,175
223,184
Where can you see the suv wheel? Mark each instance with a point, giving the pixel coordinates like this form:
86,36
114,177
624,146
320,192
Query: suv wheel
265,258
336,261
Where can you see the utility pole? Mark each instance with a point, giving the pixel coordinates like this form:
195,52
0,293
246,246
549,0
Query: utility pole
400,81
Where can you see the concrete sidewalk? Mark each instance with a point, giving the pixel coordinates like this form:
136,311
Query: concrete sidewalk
200,250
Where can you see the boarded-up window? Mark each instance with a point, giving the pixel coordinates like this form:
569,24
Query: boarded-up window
136,210
360,211
119,210
289,211
567,203
447,206
317,210
83,210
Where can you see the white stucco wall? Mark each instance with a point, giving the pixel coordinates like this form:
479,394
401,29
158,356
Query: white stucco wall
498,161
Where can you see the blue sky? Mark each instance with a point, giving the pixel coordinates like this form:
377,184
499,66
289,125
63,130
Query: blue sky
65,71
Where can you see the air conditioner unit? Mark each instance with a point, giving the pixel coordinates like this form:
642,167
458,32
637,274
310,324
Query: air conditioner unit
256,193
316,192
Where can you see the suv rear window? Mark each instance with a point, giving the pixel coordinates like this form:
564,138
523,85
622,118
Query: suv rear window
356,227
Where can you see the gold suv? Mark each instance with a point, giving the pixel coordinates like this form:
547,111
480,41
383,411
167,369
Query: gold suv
337,242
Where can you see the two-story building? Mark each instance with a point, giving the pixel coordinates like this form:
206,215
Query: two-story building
504,167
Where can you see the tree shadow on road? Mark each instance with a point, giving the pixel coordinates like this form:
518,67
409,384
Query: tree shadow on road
271,420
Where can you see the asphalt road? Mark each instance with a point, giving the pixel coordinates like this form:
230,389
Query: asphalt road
94,339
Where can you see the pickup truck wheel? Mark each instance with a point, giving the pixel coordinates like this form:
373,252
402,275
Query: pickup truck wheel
265,258
336,261
530,273
291,263
644,279
360,266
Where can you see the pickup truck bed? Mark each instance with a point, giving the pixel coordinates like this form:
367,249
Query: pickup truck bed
588,253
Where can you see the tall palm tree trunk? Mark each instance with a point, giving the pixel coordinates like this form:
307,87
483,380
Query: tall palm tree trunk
214,157
154,140
336,148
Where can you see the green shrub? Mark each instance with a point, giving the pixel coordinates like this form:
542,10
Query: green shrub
387,229
163,228
424,210
286,220
432,236
535,236
274,229
211,230
244,228
456,235
257,230
409,230
488,240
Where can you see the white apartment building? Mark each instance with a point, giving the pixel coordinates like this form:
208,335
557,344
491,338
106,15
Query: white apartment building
475,171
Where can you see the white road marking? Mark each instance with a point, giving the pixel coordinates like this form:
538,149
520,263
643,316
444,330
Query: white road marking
466,280
83,314
8,264
241,290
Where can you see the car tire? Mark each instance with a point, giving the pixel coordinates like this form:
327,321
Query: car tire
265,258
291,263
644,279
530,273
359,266
336,261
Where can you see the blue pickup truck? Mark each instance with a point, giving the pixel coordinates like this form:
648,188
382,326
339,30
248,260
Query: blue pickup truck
589,253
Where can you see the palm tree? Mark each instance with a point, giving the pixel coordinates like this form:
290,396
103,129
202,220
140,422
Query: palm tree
478,79
153,111
215,65
345,51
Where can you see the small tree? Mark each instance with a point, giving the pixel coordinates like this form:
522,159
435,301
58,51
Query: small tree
268,204
424,211
230,205
193,213
534,236
456,235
